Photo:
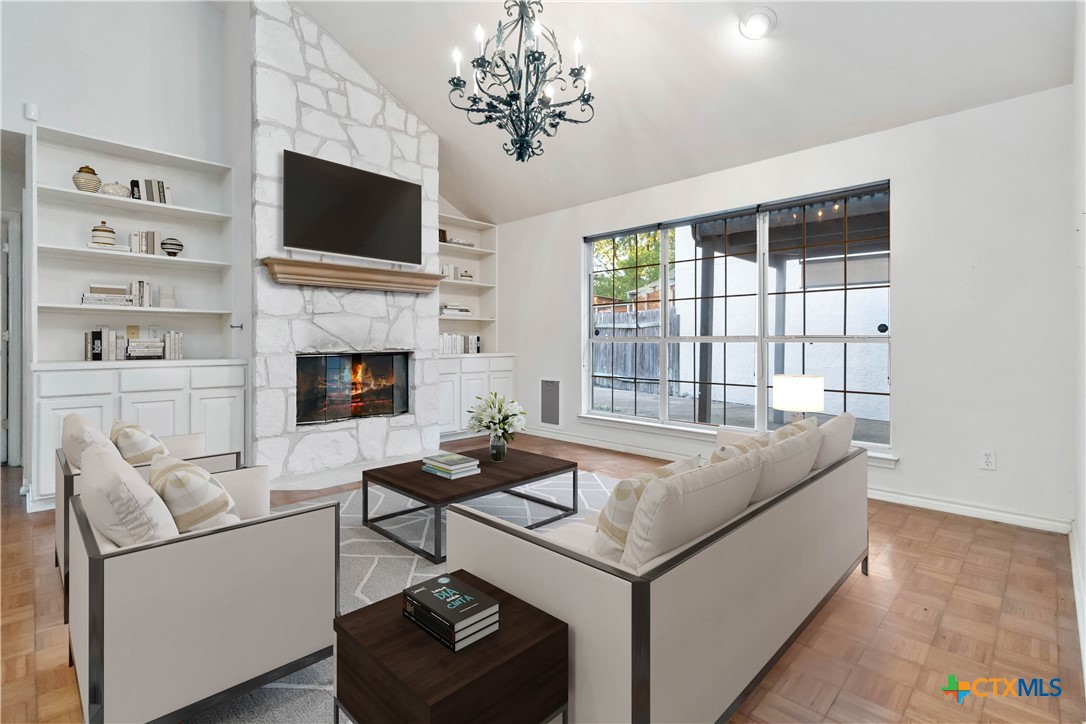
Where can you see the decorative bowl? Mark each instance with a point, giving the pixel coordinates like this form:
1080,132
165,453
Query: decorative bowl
171,246
85,179
116,189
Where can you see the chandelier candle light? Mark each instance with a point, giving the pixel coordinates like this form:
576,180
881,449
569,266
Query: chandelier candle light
517,82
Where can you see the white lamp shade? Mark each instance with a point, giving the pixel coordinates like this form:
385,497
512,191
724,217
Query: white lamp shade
799,393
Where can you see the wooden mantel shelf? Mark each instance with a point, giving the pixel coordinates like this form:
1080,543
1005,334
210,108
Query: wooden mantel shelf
346,276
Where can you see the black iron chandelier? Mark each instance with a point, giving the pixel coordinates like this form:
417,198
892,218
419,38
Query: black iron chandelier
517,82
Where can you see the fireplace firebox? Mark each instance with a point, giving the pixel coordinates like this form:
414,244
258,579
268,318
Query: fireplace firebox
341,386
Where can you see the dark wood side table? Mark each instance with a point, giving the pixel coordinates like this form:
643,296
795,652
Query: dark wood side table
389,670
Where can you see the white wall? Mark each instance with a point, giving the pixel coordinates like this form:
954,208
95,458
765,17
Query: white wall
148,74
1078,224
982,275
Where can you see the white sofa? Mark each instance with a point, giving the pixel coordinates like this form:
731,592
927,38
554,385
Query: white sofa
685,636
189,447
160,631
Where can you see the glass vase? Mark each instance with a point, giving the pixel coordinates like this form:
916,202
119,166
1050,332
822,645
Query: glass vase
497,448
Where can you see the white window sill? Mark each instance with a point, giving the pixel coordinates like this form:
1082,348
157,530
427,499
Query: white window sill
878,456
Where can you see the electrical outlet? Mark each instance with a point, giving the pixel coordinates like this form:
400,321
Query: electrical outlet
987,460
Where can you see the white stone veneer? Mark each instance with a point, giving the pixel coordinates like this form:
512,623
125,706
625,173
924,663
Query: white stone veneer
310,96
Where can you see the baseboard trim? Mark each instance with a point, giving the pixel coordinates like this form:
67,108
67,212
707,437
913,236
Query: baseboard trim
1053,525
1078,581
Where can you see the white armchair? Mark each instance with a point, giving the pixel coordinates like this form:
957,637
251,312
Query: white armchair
163,630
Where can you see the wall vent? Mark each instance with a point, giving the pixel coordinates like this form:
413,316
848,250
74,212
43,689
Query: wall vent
549,401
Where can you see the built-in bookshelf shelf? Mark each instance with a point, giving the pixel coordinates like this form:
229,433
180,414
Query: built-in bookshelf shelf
471,251
463,284
120,363
114,149
126,257
118,309
105,204
466,319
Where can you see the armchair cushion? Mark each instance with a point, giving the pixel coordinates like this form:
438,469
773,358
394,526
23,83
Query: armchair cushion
76,435
786,463
119,502
613,525
136,444
196,500
836,438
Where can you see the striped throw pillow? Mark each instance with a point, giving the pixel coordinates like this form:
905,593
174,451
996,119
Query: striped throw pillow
617,515
136,444
735,449
792,429
196,500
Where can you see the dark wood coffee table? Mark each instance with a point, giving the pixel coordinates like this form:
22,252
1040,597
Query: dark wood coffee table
390,670
435,493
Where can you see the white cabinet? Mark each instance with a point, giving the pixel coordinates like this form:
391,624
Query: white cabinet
462,378
51,413
220,415
166,397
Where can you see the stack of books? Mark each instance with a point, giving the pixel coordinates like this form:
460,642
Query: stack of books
144,242
151,189
106,344
460,344
146,348
450,465
455,310
141,292
459,242
108,295
451,611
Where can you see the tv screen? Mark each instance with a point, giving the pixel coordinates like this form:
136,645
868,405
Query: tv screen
335,209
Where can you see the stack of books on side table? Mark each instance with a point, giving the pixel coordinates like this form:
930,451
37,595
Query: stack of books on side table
451,611
450,465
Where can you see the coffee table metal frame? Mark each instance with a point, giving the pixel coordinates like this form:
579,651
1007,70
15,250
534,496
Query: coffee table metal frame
436,556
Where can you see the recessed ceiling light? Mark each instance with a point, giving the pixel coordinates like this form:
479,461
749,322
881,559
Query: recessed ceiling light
758,23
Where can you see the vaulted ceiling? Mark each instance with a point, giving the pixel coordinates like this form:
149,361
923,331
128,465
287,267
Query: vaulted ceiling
681,93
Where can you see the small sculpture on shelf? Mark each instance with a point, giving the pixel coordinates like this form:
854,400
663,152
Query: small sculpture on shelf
116,189
103,236
85,179
171,246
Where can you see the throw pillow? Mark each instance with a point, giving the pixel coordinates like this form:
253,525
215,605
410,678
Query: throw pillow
119,502
615,518
836,438
786,463
682,508
196,500
76,435
792,429
735,449
136,444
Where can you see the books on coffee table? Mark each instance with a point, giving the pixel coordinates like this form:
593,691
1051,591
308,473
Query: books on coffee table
451,611
450,465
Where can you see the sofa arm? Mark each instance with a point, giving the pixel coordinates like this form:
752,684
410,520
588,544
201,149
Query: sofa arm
562,583
210,610
186,446
250,489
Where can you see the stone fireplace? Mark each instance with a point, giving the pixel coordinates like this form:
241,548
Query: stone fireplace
335,387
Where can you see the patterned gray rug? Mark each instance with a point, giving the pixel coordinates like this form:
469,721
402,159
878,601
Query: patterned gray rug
373,567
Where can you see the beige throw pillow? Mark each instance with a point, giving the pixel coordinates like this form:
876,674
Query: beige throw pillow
836,439
786,463
196,500
682,508
119,502
78,433
136,445
792,429
615,518
735,449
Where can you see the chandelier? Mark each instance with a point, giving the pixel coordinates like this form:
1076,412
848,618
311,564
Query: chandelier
517,82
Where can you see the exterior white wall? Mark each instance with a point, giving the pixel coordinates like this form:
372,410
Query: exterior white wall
147,74
982,350
313,98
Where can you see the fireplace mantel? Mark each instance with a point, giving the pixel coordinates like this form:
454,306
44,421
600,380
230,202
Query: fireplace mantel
346,276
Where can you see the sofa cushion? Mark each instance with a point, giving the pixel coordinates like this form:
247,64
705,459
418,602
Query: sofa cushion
786,463
676,510
792,429
836,439
77,433
196,500
119,502
613,525
136,444
735,449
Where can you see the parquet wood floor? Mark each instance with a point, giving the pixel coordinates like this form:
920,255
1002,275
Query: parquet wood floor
946,595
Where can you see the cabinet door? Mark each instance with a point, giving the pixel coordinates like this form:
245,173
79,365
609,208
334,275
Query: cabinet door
472,385
501,381
164,412
448,400
51,413
220,415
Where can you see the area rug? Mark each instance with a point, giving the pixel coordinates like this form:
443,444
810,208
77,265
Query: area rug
372,567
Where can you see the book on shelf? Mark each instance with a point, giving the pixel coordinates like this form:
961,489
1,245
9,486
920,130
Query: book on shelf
459,242
108,300
450,476
450,461
449,606
151,189
456,643
460,343
108,289
114,344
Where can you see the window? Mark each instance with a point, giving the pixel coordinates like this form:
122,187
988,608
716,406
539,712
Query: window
685,314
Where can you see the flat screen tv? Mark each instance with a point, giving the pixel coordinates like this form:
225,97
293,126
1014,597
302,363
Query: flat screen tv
335,209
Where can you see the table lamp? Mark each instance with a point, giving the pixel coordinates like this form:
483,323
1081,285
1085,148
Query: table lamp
799,394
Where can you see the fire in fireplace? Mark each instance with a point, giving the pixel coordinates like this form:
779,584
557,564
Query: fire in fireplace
341,386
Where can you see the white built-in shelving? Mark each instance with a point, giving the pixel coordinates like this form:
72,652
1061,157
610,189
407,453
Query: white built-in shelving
479,294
